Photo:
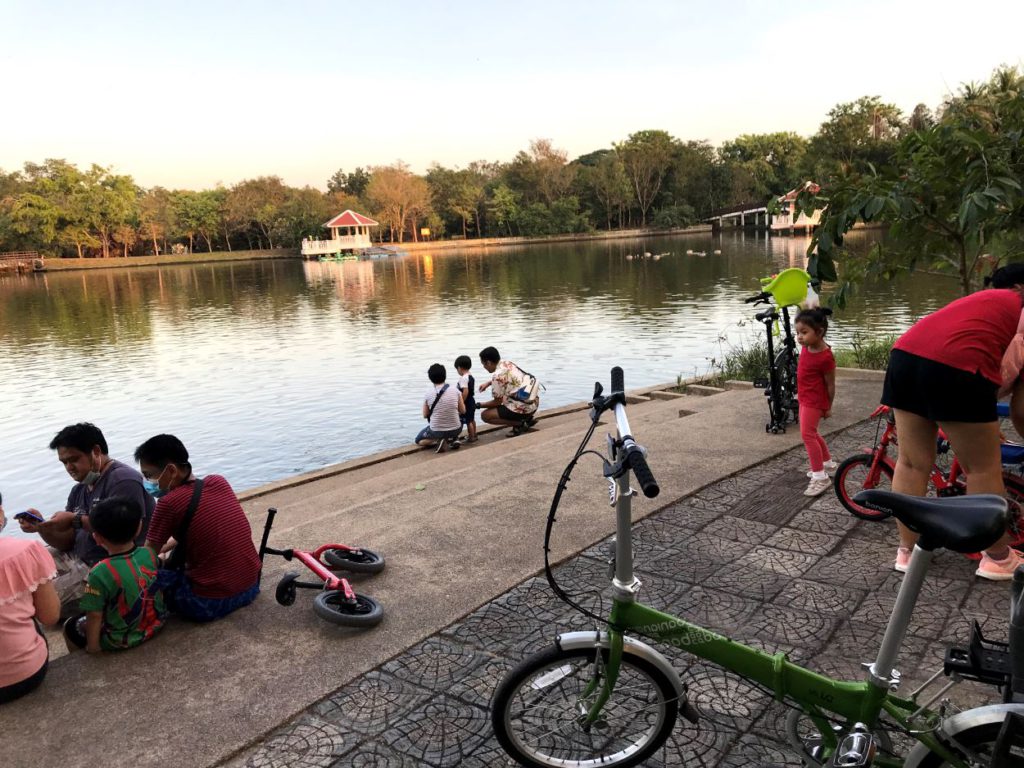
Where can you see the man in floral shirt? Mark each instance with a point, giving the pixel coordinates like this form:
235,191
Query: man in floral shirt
506,378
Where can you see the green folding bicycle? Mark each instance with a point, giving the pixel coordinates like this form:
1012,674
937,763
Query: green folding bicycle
602,698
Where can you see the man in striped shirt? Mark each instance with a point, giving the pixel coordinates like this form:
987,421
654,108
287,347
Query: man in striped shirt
221,566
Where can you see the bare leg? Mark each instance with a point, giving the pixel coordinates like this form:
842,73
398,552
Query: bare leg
915,460
491,416
977,449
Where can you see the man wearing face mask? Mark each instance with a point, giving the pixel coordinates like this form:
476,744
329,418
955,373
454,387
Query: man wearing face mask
82,449
213,568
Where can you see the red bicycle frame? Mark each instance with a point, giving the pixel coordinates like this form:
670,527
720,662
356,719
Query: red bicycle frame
946,484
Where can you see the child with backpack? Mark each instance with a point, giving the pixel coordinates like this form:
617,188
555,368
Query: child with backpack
442,408
467,389
121,607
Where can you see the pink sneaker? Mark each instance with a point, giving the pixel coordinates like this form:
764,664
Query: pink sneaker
902,559
999,570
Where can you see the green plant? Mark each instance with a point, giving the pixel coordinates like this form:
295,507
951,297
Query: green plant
745,361
871,353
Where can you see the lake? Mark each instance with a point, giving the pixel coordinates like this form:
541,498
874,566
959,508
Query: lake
270,368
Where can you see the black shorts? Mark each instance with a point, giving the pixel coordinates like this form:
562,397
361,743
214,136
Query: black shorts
508,415
936,391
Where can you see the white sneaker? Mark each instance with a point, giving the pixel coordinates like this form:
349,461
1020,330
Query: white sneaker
817,487
828,466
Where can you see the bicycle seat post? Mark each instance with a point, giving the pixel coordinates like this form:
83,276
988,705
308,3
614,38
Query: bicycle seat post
881,672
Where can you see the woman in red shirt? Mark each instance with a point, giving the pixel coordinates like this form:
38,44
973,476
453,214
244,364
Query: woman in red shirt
816,385
945,371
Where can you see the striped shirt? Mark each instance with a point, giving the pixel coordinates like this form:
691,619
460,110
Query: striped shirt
220,559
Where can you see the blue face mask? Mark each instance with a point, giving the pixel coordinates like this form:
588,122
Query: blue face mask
153,488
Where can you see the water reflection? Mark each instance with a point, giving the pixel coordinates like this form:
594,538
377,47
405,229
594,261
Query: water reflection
274,367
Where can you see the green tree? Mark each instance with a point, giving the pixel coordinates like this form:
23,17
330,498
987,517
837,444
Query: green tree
606,182
354,183
952,195
857,135
156,217
646,156
774,161
503,208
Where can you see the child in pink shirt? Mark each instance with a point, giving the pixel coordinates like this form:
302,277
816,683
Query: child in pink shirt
26,592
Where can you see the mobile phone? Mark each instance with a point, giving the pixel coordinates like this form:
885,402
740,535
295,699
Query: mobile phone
31,516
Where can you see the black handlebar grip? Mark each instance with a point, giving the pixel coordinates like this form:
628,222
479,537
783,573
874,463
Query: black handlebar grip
644,476
759,297
618,380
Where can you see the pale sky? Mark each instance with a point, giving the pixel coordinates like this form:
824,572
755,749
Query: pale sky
187,94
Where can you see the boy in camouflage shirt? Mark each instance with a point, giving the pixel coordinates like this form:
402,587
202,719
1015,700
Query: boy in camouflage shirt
121,606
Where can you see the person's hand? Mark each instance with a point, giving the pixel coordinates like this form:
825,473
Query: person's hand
484,386
827,414
30,526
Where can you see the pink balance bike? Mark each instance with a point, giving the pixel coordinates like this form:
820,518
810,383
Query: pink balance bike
337,602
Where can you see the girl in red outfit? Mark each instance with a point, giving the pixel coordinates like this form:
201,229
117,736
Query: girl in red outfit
945,372
816,385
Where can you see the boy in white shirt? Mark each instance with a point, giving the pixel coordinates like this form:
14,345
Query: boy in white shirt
443,408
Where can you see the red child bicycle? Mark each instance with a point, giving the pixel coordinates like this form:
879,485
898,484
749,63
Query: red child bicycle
874,467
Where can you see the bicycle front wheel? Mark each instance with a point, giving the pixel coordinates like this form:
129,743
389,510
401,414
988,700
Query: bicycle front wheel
539,710
854,475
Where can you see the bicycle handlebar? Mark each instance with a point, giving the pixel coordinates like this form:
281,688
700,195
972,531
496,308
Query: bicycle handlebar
764,296
634,457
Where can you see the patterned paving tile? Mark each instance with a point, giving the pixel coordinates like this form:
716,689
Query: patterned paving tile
790,625
809,542
371,703
830,599
436,664
749,532
373,754
442,733
307,743
782,561
748,581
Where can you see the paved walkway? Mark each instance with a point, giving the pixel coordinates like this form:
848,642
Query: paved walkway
462,535
748,556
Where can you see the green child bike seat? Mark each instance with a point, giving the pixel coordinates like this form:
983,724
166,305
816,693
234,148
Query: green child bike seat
789,287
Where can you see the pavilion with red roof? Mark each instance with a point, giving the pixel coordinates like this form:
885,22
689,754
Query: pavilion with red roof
350,231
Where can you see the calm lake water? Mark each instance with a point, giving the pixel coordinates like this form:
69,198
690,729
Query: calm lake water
270,368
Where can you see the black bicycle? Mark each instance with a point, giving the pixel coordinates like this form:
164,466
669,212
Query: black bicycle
780,386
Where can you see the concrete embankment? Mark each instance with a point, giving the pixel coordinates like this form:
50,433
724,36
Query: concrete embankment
62,265
457,530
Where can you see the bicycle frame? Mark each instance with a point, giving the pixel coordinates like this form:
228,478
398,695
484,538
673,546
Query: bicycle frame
815,694
328,580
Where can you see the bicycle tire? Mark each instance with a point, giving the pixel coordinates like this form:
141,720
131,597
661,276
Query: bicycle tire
367,561
980,739
847,484
644,701
331,606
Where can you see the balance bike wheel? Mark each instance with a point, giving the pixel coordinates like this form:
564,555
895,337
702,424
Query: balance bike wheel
363,561
286,589
331,606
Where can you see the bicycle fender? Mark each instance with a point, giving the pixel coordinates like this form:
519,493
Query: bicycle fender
572,641
951,726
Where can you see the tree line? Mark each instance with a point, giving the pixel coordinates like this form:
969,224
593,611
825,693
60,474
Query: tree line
650,178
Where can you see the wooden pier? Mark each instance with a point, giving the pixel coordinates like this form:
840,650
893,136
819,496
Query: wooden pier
22,261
